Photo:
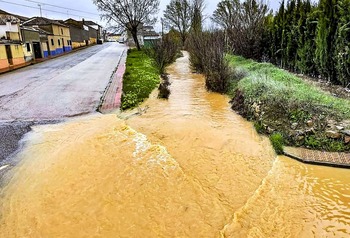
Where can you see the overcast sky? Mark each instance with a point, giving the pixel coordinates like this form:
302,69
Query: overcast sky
79,9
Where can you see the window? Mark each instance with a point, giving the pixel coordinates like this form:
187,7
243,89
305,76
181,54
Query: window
59,42
52,42
28,47
62,31
68,42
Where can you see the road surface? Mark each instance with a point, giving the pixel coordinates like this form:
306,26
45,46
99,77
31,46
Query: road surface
51,91
62,87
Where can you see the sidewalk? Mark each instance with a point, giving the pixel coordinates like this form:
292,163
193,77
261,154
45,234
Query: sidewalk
334,159
111,98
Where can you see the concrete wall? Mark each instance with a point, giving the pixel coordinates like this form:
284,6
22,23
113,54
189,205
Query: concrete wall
78,36
28,35
92,40
78,44
15,36
92,33
28,55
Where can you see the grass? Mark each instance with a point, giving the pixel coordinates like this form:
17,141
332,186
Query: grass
277,142
285,99
140,79
266,83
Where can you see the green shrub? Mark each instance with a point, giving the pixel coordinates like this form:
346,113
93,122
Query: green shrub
277,142
163,52
313,142
140,79
129,101
259,127
336,146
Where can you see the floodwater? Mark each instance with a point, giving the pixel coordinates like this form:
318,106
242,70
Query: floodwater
187,167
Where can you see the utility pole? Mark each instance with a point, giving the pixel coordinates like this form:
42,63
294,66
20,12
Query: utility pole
41,13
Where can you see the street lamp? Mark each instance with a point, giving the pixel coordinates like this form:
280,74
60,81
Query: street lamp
41,14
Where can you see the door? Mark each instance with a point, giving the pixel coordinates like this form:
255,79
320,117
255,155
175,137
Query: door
37,50
9,54
63,45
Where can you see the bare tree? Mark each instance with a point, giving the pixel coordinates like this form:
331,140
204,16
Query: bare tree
243,24
207,56
129,14
178,15
227,13
163,52
227,16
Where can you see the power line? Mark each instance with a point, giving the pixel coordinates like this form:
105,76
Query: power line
51,5
64,13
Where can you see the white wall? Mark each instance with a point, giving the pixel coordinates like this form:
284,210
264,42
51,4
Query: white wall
8,27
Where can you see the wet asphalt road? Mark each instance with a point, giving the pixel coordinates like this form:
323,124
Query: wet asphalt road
53,90
62,87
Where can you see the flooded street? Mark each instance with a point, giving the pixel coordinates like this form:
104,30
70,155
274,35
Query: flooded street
188,167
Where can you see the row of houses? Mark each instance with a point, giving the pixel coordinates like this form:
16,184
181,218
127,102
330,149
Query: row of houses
24,40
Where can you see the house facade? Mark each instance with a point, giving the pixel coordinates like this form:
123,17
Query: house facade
113,37
79,33
32,48
58,35
24,40
11,51
149,36
95,32
145,35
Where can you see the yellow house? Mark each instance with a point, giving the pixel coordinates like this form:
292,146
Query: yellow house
58,37
4,63
11,51
113,37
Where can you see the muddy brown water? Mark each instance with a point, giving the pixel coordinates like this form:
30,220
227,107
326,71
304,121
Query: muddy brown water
188,167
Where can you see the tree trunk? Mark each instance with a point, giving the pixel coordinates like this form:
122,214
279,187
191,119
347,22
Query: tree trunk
136,40
183,39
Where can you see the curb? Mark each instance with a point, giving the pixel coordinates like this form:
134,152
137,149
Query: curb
118,92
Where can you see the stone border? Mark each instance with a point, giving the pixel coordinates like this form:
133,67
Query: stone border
338,160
